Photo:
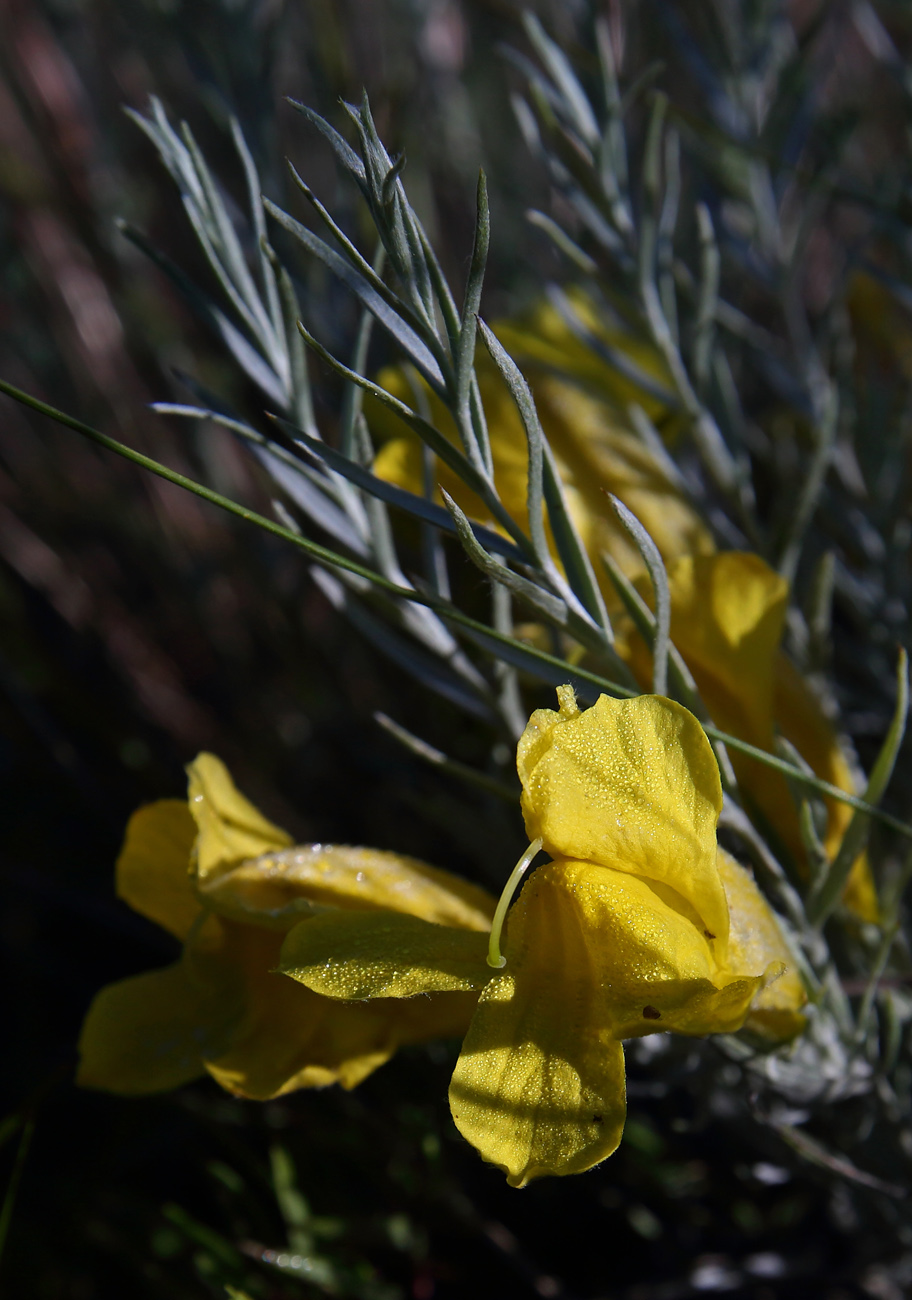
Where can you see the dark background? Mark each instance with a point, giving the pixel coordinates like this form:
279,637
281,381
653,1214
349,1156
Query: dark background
138,626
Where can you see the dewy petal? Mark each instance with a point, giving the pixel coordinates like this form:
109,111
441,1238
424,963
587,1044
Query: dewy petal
153,870
727,619
539,1085
532,1097
289,1037
650,968
755,942
632,785
230,828
356,955
150,1032
277,887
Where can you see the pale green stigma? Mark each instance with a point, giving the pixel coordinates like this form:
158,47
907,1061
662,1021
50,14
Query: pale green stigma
495,956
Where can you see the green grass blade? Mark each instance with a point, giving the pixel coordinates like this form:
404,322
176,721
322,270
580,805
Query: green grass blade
821,904
546,666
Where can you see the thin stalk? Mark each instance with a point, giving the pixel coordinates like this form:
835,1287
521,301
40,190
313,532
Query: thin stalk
330,559
437,758
495,956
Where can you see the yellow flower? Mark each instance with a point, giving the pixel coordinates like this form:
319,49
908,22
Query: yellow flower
727,619
229,884
627,931
595,448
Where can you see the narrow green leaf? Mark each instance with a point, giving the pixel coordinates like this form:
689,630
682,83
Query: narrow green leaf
655,567
819,611
301,400
341,148
546,667
254,365
438,443
408,340
573,554
530,592
255,201
465,354
577,109
535,439
707,298
823,431
226,255
559,237
821,904
412,504
371,273
388,192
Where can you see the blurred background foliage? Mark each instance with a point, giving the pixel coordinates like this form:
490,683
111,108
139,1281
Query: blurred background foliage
139,626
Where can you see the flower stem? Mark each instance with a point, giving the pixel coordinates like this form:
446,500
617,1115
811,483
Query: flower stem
495,956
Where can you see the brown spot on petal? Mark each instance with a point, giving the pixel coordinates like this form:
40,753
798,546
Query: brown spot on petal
708,935
651,1013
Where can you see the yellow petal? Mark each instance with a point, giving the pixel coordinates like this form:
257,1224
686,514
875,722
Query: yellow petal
153,870
531,1097
755,942
279,1031
539,1085
632,785
356,955
150,1032
278,887
860,894
300,1040
727,619
880,325
289,1037
651,967
728,614
230,828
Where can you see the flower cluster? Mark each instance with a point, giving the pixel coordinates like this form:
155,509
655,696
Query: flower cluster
229,885
308,965
728,608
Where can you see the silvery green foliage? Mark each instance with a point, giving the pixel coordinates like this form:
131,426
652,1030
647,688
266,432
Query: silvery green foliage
665,217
